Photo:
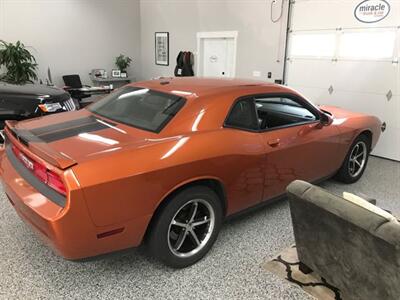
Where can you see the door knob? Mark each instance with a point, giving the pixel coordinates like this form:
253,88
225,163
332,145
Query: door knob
274,143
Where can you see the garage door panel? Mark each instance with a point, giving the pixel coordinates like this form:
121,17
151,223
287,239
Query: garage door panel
389,143
367,77
307,72
376,105
326,14
355,76
386,111
315,95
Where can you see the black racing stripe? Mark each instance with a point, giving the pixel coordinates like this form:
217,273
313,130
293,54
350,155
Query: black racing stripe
42,188
25,136
61,130
63,125
63,134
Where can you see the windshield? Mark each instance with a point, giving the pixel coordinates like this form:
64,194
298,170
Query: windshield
139,107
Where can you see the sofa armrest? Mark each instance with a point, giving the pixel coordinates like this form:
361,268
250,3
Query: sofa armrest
390,232
363,216
366,205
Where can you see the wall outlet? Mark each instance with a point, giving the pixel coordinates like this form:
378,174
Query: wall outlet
256,73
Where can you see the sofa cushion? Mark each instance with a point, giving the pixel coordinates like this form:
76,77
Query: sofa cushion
366,205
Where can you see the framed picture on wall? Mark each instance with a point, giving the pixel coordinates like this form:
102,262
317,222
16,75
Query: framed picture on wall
162,48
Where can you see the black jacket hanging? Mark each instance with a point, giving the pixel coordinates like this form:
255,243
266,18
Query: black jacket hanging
179,64
184,64
188,64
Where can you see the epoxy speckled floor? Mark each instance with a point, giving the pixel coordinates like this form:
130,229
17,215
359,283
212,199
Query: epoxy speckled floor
232,270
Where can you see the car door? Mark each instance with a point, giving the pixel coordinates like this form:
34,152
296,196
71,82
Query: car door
297,146
246,179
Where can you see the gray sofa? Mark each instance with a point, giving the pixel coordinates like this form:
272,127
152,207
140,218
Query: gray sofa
353,244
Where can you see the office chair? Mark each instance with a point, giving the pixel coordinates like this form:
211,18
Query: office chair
72,83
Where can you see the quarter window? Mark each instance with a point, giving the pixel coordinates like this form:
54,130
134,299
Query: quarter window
243,115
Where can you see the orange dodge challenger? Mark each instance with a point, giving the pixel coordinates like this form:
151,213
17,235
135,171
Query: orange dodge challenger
165,161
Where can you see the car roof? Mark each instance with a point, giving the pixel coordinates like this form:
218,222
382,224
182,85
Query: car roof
213,95
195,87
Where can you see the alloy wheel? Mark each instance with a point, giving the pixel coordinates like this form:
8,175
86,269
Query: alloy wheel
2,137
357,159
191,228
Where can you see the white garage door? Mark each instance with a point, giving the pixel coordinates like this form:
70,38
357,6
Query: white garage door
346,53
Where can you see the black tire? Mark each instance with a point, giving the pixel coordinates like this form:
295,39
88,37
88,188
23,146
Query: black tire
179,207
345,172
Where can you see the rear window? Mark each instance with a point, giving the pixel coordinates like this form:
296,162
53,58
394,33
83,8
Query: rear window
139,107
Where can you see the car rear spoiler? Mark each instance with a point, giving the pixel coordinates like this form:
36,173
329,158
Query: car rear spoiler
37,147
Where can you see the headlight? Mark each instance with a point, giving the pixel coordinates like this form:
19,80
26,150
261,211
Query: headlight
50,107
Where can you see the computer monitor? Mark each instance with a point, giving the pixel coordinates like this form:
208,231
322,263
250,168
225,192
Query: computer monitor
73,81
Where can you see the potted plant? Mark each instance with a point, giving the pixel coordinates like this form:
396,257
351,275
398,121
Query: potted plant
123,62
19,63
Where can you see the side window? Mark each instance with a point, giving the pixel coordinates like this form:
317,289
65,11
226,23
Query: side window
273,112
243,115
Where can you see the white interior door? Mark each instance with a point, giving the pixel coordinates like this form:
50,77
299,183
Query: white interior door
335,59
216,54
215,60
218,57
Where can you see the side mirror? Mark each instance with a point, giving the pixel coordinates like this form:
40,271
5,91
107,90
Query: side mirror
325,120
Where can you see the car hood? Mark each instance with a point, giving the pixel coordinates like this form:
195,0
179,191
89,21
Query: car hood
69,138
30,89
339,113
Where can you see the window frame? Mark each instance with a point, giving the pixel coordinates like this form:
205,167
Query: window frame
296,98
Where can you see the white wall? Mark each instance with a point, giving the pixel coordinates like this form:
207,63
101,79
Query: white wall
74,36
260,41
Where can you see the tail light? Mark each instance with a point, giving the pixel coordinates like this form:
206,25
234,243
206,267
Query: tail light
48,177
54,181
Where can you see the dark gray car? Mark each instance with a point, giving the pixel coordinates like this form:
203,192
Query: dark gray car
19,102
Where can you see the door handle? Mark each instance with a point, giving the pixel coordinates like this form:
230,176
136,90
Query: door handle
274,143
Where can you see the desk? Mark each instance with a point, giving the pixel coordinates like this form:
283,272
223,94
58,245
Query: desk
115,81
84,92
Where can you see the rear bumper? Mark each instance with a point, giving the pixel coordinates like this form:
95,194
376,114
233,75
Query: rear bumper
68,230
